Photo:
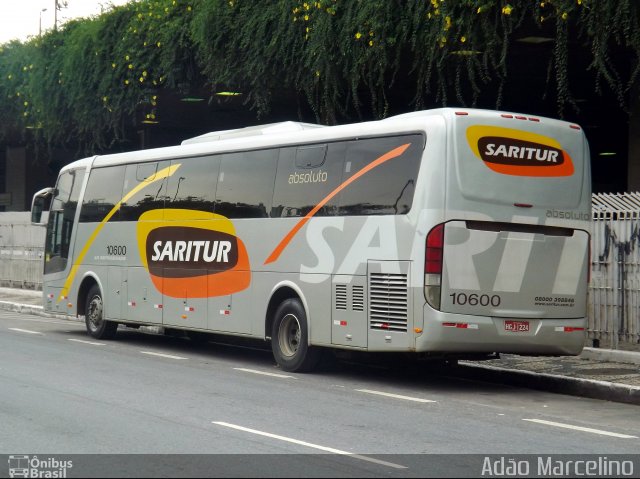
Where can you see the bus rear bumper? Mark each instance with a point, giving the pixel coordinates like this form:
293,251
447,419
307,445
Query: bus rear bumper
445,332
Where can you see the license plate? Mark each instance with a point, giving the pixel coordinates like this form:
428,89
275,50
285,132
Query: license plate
517,326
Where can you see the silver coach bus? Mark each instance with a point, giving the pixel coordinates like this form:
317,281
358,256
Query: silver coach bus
448,231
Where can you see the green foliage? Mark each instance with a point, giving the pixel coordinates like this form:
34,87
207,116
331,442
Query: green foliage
82,84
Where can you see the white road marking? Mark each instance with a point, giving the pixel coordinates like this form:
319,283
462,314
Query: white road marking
25,331
170,356
395,396
254,371
580,428
308,444
86,342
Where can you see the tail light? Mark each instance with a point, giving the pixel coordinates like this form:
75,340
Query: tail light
433,257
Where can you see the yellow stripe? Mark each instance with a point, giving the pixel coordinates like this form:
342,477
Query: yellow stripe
160,175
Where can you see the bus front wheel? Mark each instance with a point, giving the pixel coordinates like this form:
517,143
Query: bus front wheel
289,338
97,326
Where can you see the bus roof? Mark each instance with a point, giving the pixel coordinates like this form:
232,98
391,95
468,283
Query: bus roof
288,132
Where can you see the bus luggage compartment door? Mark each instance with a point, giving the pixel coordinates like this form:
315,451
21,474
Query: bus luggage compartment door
514,270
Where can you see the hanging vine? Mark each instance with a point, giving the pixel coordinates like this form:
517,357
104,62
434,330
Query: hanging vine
80,85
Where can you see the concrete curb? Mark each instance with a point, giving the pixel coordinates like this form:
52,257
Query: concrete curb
611,355
551,382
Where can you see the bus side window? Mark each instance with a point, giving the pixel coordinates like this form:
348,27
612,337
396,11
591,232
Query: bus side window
193,185
103,192
386,189
298,190
245,184
150,195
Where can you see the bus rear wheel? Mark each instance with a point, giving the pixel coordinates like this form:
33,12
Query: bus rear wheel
289,338
97,326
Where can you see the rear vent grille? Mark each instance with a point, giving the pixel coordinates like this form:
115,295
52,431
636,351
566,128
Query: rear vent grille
341,297
357,302
388,308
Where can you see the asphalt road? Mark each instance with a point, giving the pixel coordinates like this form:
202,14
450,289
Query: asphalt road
62,392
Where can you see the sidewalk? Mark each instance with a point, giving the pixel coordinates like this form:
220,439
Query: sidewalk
597,373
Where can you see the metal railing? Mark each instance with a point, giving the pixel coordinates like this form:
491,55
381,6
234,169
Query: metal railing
614,292
21,251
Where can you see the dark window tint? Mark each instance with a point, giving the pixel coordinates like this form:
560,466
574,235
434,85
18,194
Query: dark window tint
386,189
193,185
144,189
299,190
245,184
103,192
61,218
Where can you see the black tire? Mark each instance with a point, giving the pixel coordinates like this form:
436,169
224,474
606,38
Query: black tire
289,338
97,326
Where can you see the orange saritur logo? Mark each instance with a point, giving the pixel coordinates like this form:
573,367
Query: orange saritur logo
519,153
189,257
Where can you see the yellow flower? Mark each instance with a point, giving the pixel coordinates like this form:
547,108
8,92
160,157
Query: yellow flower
317,73
130,66
447,23
479,10
104,99
126,57
113,65
565,15
26,103
158,44
306,18
463,39
126,82
506,10
358,35
370,43
144,73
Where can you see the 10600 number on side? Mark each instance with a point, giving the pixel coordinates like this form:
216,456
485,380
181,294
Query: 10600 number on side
473,299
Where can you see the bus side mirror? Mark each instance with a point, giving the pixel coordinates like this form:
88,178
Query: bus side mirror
41,202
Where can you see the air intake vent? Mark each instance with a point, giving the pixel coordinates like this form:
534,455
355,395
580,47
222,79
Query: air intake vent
388,302
341,297
357,301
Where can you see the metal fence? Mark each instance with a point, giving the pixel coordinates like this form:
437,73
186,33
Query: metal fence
614,306
21,251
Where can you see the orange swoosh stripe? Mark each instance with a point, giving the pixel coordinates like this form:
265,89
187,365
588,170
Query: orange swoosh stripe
287,239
